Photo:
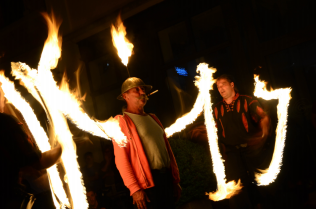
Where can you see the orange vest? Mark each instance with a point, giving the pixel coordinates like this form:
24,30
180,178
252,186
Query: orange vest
131,160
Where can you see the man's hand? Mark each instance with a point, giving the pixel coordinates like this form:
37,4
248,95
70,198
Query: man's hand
49,158
140,198
259,138
265,126
177,191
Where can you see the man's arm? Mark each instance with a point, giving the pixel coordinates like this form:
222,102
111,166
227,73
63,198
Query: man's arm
48,158
265,124
264,121
124,166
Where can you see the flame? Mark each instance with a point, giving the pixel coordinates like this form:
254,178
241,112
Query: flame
121,43
108,129
60,103
186,119
52,47
46,85
113,129
283,95
38,132
205,83
72,110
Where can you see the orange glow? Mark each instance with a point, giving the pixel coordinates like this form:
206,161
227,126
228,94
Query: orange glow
38,133
205,83
284,96
59,102
121,43
42,86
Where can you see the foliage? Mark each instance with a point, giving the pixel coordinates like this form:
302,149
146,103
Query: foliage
195,166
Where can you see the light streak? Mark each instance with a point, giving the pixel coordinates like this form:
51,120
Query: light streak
224,190
205,82
58,104
38,133
283,95
68,104
186,119
46,85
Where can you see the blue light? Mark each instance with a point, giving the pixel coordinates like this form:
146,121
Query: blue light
181,71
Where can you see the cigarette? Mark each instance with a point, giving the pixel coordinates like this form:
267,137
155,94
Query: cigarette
152,93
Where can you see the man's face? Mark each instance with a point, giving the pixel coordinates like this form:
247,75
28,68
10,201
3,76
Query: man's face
91,197
136,97
225,88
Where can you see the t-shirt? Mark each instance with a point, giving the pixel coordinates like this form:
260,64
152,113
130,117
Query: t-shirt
239,120
151,135
16,151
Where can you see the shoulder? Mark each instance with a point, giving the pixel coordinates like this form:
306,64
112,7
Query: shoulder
250,99
118,117
218,104
245,96
10,125
6,119
154,116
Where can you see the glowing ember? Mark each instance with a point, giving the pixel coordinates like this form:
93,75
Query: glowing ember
205,82
121,43
283,95
38,133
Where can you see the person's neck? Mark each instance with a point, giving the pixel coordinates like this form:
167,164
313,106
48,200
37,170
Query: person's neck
230,99
135,110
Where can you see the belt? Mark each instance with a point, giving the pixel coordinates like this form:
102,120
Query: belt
241,145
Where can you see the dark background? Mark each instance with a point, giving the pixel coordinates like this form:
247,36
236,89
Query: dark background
273,38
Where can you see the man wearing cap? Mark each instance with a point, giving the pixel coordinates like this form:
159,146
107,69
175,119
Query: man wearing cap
146,164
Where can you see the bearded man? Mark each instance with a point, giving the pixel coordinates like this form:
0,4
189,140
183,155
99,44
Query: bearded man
147,164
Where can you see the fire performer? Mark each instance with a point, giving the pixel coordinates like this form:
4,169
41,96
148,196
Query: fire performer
147,164
16,152
243,128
